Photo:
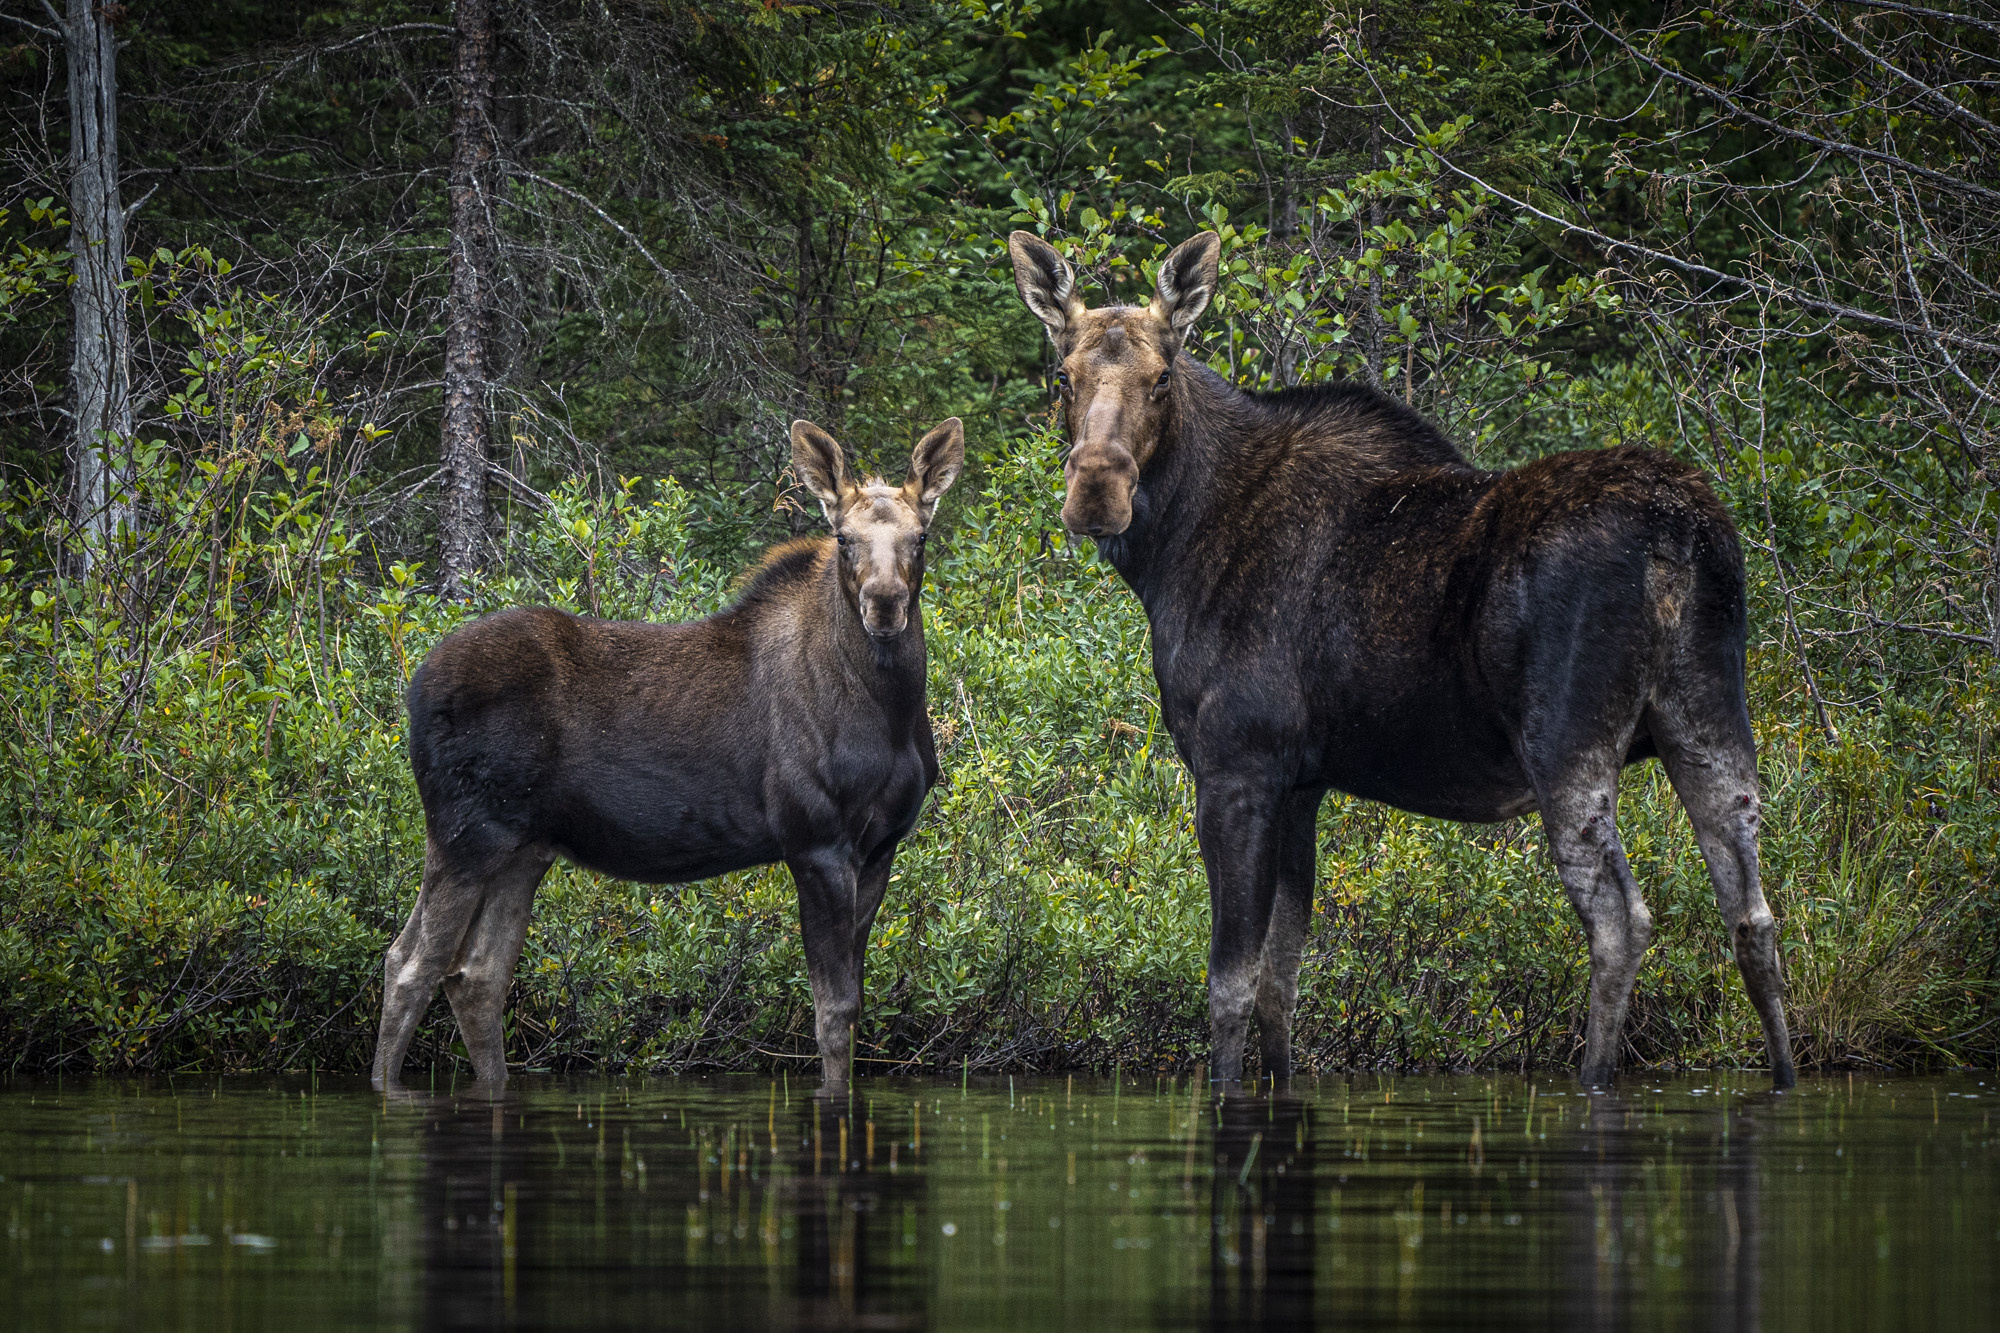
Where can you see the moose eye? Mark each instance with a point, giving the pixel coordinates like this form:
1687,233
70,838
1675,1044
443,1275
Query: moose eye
840,538
1166,377
1062,380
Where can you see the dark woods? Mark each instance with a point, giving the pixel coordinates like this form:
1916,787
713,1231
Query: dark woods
325,331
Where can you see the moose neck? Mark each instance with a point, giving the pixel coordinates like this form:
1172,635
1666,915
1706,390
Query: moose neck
1208,432
890,672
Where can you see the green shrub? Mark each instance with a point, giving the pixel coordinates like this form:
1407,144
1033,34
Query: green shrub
204,867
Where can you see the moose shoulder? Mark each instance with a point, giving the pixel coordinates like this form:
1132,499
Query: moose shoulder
1339,600
788,727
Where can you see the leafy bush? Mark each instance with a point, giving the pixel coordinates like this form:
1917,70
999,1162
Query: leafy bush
205,866
210,833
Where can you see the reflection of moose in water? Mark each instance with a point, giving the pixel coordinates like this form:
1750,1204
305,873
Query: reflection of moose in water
790,726
1263,1230
625,1218
1623,1198
1339,600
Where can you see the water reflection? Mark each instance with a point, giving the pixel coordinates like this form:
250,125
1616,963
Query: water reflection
470,1212
1366,1202
1262,1234
621,1214
1648,1227
856,1255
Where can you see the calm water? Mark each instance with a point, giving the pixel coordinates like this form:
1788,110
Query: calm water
738,1203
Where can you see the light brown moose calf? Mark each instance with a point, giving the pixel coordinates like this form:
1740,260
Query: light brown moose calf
788,727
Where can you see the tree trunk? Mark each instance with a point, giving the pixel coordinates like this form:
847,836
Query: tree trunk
467,431
1285,211
1993,592
100,375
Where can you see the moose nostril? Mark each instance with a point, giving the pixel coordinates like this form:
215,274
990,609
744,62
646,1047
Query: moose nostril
882,611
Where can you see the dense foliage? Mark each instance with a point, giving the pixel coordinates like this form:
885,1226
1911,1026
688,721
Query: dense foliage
713,219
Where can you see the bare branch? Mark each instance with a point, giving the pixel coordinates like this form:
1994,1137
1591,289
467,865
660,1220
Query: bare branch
673,280
54,34
1944,180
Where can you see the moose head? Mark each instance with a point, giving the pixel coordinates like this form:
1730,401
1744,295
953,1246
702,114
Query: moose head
1116,372
880,528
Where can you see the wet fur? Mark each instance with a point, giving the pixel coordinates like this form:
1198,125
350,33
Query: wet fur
1387,579
1339,600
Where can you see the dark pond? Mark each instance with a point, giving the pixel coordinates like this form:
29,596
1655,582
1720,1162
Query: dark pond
1689,1202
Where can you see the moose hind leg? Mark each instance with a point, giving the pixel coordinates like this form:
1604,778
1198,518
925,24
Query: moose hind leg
1580,818
407,984
1718,786
1284,941
418,959
483,971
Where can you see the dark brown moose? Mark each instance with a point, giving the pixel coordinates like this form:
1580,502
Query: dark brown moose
788,727
1339,600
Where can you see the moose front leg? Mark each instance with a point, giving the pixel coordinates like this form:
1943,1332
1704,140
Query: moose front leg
871,882
1237,820
1285,940
826,883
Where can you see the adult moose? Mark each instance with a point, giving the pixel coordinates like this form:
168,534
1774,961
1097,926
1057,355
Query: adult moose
789,726
1339,600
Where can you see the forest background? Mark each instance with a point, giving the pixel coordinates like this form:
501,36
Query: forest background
324,327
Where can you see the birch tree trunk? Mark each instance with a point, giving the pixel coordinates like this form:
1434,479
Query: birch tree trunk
467,430
100,384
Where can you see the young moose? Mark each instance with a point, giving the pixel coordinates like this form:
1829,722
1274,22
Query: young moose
1339,600
788,727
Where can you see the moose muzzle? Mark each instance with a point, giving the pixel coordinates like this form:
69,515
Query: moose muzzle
885,606
1101,478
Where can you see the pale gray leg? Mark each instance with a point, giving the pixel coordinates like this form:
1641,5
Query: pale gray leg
483,971
416,962
1716,779
1579,814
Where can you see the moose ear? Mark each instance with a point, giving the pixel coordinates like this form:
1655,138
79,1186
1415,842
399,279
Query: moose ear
820,465
1046,282
1187,280
935,464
